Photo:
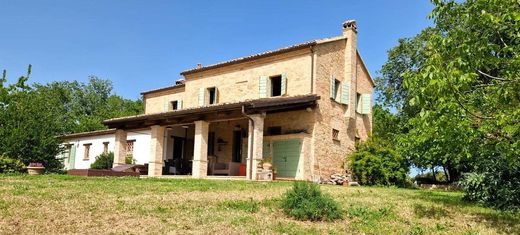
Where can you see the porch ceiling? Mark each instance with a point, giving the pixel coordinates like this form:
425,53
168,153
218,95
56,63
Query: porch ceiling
215,112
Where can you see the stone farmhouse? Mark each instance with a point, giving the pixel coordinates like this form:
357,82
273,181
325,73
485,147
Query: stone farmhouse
303,106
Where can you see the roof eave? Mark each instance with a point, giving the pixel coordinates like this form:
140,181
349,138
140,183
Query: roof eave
251,57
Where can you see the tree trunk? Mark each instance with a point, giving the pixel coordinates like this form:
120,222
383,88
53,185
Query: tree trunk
433,175
448,178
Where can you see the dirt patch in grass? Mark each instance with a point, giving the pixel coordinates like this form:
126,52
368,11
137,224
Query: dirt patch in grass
66,204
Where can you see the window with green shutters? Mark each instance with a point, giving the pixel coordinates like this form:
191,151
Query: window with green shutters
334,89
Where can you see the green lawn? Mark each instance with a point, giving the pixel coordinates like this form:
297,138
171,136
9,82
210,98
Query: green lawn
66,204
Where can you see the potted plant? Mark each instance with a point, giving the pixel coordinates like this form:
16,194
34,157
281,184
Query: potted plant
35,168
267,163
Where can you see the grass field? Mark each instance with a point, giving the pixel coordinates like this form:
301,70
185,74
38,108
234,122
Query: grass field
66,204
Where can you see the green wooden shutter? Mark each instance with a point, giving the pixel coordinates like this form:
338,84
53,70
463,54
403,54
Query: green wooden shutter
284,84
262,87
345,93
165,106
170,106
202,92
365,103
216,96
179,104
332,87
72,157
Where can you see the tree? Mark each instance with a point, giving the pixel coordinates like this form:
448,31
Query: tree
31,117
458,85
27,124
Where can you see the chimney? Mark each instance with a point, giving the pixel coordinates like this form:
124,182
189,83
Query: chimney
199,66
349,25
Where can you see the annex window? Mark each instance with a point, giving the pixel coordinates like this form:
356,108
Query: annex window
130,146
276,85
335,134
86,153
105,147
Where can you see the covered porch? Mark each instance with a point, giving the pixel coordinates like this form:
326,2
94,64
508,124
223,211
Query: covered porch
221,140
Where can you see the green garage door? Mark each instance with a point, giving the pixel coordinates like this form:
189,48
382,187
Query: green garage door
286,155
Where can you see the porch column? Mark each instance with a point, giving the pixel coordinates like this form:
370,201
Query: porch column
200,150
155,163
119,148
255,144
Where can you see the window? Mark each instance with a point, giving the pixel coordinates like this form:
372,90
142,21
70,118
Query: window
274,130
174,105
335,134
87,151
130,146
105,147
276,85
212,95
358,101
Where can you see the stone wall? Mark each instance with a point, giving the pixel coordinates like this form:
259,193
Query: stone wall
329,154
341,60
364,86
239,82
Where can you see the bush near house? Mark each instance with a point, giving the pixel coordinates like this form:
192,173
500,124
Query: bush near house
305,201
373,163
103,161
9,165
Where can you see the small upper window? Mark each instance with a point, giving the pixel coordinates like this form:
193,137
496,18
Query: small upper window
276,85
175,105
335,134
212,91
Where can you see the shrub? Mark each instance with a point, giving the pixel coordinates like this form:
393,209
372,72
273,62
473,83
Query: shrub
495,185
305,201
9,165
103,161
129,159
376,164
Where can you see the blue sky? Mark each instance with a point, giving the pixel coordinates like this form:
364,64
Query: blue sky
142,45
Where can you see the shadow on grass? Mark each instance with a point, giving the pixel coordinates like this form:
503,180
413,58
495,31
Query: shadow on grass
504,221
